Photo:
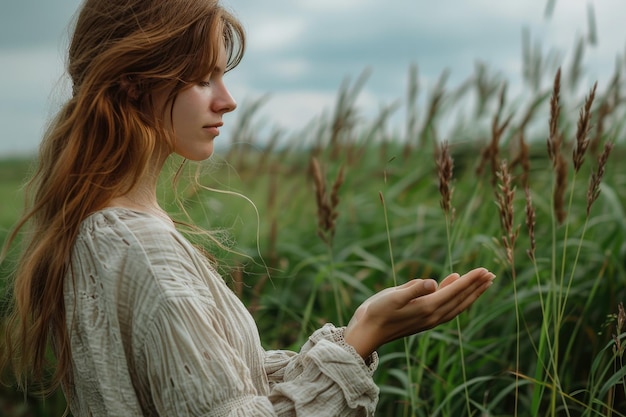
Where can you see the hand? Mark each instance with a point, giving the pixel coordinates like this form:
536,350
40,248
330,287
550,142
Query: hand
413,307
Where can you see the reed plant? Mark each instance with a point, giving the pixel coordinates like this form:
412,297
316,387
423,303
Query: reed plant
547,339
327,213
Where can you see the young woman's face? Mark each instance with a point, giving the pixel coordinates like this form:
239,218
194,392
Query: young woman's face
196,115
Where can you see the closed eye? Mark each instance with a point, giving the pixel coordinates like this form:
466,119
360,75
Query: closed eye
217,72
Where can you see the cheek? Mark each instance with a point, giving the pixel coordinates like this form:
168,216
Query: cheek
177,120
186,109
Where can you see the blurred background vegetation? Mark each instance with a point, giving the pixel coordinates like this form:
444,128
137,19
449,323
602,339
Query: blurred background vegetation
384,206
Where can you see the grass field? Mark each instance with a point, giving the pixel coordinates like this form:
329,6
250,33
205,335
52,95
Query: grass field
524,190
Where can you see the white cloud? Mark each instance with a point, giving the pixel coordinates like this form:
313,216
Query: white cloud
293,109
265,35
290,68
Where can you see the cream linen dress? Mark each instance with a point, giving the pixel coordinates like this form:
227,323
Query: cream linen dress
155,331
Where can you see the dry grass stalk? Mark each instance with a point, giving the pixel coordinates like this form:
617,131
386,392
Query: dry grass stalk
554,137
593,191
433,108
411,109
492,152
621,320
445,167
530,224
604,111
582,132
554,142
323,212
486,86
522,158
530,112
576,69
505,196
559,189
334,194
346,114
270,148
326,203
611,101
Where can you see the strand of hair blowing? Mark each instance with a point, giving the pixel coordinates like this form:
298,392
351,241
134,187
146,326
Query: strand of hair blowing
97,147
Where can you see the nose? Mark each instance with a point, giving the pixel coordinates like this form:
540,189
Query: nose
224,102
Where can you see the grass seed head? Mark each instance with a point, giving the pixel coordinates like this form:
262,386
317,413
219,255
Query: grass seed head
320,192
604,111
593,192
582,132
334,194
621,319
445,167
554,137
505,196
492,153
327,204
522,158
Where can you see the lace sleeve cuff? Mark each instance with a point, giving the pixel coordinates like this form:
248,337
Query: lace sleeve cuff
336,335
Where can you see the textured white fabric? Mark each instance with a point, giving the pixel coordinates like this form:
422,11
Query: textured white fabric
155,331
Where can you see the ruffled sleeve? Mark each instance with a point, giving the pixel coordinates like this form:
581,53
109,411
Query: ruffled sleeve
327,378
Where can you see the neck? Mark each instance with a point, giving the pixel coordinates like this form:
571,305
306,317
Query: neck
142,196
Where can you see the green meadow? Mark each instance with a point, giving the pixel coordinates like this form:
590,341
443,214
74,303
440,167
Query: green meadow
309,224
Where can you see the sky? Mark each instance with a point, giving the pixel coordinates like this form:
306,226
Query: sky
300,52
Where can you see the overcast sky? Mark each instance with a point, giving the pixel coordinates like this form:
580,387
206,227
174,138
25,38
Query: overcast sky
300,51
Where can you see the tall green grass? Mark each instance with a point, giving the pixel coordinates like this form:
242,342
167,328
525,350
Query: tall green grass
543,341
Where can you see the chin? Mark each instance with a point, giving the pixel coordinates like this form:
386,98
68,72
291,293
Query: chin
200,158
197,156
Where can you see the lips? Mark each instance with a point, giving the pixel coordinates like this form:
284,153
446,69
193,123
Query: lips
213,129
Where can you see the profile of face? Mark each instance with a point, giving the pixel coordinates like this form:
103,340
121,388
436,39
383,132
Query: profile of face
196,115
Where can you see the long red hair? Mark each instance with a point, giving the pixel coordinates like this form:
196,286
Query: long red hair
98,146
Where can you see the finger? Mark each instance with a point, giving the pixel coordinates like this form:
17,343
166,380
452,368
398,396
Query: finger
416,288
453,298
476,273
453,285
455,305
468,300
429,284
455,290
449,280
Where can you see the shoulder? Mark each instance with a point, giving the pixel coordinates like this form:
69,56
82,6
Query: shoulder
119,231
120,225
134,247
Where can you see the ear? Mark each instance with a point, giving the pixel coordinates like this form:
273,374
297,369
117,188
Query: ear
130,86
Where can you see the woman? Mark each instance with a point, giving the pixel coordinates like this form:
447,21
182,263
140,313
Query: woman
139,321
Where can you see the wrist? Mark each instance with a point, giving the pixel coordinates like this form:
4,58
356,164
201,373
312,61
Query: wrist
360,339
